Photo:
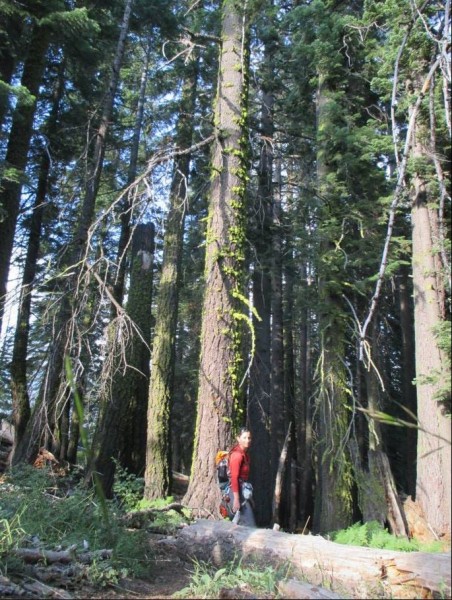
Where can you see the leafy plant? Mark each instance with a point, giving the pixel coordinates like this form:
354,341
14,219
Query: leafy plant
374,535
207,581
127,488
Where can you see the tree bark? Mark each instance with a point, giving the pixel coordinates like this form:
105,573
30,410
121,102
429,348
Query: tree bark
133,388
277,409
433,487
124,406
406,308
158,445
225,306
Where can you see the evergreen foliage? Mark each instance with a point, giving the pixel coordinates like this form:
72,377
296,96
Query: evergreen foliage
345,133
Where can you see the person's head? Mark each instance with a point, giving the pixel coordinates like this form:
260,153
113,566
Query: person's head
244,438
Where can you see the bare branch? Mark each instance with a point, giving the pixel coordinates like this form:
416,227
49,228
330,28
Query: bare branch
397,194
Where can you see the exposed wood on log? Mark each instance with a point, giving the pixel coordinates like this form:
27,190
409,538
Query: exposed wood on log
304,591
355,571
6,444
418,527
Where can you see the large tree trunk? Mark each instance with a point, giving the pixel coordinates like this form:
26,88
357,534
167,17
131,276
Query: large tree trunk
303,412
158,446
134,390
352,571
124,405
16,153
433,488
225,306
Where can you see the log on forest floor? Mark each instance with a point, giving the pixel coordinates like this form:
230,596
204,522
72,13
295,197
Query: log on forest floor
352,571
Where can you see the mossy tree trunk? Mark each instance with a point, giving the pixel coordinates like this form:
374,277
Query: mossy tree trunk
225,307
134,387
121,429
158,445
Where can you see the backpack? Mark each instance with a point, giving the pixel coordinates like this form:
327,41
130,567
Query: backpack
222,466
223,479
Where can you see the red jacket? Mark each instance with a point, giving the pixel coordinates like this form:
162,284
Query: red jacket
239,467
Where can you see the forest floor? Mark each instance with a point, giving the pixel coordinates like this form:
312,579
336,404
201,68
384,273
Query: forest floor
171,575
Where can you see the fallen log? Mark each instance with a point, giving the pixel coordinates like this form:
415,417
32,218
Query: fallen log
351,571
34,555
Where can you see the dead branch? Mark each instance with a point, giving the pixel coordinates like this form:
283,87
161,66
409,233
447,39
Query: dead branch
395,202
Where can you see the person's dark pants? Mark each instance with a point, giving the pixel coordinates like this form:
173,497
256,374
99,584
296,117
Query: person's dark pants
246,511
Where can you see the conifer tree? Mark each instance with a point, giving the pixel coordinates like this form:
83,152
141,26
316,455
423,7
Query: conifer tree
225,307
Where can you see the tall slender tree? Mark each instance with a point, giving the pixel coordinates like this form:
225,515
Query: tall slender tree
158,447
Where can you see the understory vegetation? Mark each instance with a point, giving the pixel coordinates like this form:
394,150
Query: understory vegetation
207,581
46,511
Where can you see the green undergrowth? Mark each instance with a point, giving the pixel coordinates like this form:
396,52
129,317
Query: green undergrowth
208,581
374,535
45,511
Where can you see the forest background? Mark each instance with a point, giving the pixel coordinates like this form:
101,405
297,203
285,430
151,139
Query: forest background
218,215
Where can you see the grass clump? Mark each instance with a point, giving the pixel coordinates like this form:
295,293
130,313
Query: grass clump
207,581
374,535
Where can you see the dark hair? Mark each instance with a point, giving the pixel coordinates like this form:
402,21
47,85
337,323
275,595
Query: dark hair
243,430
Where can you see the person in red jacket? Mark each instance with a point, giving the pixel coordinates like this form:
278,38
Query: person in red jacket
241,490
